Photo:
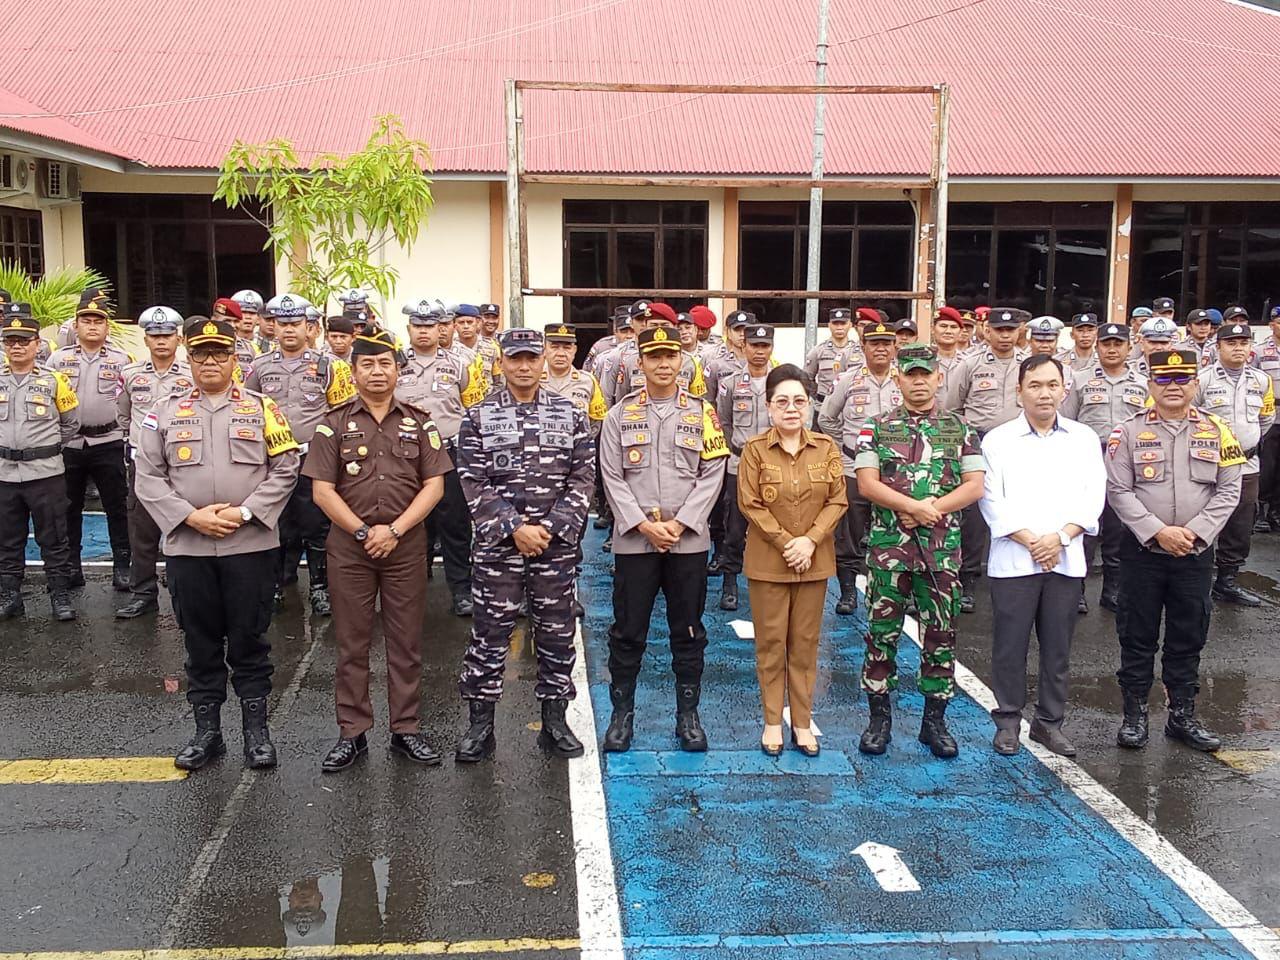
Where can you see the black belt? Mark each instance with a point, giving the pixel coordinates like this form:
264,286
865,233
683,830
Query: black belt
31,453
99,429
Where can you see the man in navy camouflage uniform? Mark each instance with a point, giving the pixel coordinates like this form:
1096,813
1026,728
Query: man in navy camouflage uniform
527,465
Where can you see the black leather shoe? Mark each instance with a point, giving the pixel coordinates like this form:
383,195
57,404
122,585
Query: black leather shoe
848,602
1134,730
693,739
320,604
966,603
463,606
478,742
60,604
617,738
1052,738
579,611
875,739
1262,519
344,753
933,730
1082,605
137,607
259,751
1227,590
415,747
716,566
1006,741
207,742
11,598
556,737
729,592
1183,726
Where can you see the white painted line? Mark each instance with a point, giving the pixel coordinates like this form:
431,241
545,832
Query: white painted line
190,891
745,629
1221,907
888,867
599,919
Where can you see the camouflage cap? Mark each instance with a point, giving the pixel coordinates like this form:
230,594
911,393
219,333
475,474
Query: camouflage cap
917,356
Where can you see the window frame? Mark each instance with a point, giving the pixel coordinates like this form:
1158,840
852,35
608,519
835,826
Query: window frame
27,253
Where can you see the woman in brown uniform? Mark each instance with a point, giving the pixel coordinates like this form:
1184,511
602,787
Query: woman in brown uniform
791,490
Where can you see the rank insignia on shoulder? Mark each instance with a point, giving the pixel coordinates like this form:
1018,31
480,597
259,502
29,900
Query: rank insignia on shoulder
324,430
434,437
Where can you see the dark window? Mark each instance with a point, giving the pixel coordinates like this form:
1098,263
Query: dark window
644,244
1206,255
866,245
22,239
1043,257
183,251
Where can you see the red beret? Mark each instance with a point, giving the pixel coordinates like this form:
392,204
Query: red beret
981,312
869,314
663,311
226,307
702,317
950,313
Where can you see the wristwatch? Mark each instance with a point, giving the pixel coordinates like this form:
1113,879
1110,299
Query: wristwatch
362,533
394,532
246,514
1063,538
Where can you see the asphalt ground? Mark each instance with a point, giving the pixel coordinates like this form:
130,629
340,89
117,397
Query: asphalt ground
470,860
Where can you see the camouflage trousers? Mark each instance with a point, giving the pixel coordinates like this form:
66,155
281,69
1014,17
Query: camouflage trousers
887,594
501,579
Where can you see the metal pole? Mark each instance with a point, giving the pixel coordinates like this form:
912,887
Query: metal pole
515,300
940,201
813,279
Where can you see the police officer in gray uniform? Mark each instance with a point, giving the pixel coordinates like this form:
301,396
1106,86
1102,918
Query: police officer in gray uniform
306,384
147,382
38,415
527,464
744,412
663,457
440,383
829,360
1082,356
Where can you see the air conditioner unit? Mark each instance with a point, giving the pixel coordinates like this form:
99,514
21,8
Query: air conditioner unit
58,180
17,173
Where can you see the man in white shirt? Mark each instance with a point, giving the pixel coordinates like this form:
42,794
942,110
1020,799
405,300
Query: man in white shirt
1044,489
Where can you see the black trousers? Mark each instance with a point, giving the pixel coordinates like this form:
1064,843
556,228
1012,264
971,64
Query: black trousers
851,533
975,539
1152,584
44,502
144,545
1047,602
105,464
303,526
223,607
715,522
735,527
682,577
1269,479
1110,534
450,523
1233,541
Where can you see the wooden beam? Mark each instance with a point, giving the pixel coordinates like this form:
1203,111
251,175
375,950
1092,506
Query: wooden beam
1121,234
729,269
722,182
725,88
497,211
515,299
639,292
924,258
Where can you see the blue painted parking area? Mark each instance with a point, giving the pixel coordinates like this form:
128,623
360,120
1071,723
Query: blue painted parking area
732,854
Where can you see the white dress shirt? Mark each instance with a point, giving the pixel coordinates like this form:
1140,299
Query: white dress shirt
1040,483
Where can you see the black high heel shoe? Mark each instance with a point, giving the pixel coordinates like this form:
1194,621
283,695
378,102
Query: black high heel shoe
808,751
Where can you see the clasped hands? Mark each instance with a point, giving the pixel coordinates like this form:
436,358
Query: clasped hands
662,534
217,520
798,553
922,513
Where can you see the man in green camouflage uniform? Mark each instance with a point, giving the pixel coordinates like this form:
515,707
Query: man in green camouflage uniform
919,467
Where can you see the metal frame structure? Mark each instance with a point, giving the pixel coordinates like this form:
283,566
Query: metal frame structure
933,229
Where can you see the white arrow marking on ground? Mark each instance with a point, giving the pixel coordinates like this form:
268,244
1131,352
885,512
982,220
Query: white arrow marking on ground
886,865
745,629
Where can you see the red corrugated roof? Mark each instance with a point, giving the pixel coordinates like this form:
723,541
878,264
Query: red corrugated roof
27,117
1112,88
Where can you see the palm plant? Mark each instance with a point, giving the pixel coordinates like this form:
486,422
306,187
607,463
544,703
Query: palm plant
54,296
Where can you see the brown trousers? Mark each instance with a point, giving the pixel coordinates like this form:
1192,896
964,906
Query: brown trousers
788,621
355,584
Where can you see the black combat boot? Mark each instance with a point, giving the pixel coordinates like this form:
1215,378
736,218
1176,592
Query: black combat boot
207,742
933,729
693,739
11,598
1109,599
463,606
60,599
1133,731
617,738
716,565
1262,519
318,574
259,751
875,739
729,592
1227,590
967,603
848,602
120,579
555,737
1184,726
478,742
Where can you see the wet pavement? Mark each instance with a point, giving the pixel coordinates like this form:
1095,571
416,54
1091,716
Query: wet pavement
456,857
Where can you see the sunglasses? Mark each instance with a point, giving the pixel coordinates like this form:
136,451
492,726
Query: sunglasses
217,356
1164,379
786,403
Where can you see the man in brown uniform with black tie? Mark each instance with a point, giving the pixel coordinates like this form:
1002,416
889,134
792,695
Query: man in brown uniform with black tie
377,466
